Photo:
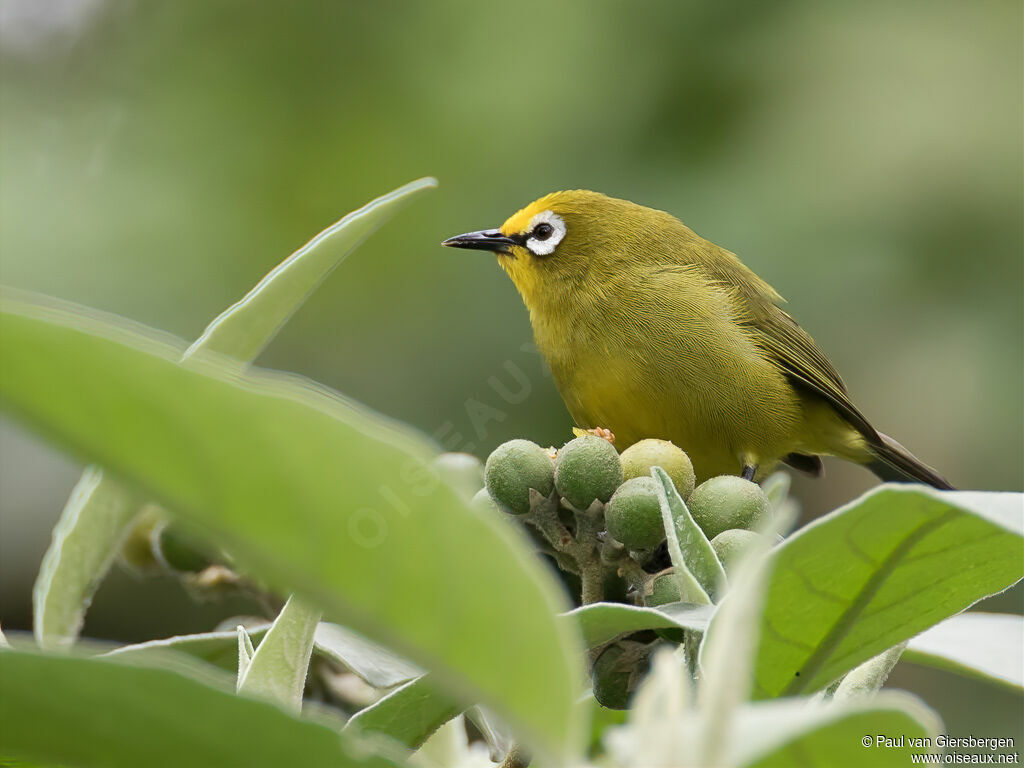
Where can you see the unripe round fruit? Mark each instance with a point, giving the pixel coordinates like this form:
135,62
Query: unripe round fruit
633,515
664,588
461,470
727,502
137,548
177,551
484,503
587,469
729,546
513,469
618,670
638,459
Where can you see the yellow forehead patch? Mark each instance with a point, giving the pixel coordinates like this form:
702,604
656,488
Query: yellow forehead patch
520,220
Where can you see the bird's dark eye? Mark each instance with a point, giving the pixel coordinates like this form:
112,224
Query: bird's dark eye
543,231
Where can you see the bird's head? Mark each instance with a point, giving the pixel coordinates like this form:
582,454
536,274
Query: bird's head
557,247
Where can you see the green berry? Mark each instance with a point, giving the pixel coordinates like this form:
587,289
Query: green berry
618,670
461,470
730,544
638,459
727,502
137,548
587,469
663,588
483,502
177,550
513,469
633,515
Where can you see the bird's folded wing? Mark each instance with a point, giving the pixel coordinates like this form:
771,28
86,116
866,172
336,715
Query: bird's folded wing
794,351
787,344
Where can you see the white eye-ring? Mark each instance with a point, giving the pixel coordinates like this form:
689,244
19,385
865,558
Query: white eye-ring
545,232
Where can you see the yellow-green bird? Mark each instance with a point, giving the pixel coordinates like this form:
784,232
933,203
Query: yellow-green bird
652,331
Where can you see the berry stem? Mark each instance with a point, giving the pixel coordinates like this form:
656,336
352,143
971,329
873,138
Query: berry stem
543,515
589,523
577,553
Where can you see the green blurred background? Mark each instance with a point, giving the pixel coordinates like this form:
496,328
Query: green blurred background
156,159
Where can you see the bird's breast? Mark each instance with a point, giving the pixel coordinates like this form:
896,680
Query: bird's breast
674,365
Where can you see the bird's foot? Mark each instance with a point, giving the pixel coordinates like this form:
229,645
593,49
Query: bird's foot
604,434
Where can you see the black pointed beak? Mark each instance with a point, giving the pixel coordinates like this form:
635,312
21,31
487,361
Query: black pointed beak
484,240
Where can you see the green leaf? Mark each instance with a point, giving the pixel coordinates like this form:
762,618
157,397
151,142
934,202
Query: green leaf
982,645
245,654
71,711
449,747
316,496
782,734
690,588
408,714
729,646
875,573
277,670
376,665
694,547
243,330
94,521
220,649
663,729
601,622
86,539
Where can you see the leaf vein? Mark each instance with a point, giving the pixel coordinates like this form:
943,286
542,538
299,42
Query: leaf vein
816,661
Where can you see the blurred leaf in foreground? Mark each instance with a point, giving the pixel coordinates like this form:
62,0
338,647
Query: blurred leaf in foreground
95,519
70,711
316,495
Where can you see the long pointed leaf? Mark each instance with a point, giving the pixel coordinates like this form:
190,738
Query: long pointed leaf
730,644
690,588
244,329
317,496
408,714
85,541
99,511
376,665
601,622
245,653
278,669
696,550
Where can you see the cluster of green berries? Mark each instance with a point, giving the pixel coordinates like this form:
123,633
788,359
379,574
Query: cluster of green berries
588,477
589,469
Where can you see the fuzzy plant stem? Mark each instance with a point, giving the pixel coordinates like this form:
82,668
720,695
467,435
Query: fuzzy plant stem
543,515
589,523
582,547
867,679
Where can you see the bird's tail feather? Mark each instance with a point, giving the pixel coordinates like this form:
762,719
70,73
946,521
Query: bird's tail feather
892,462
